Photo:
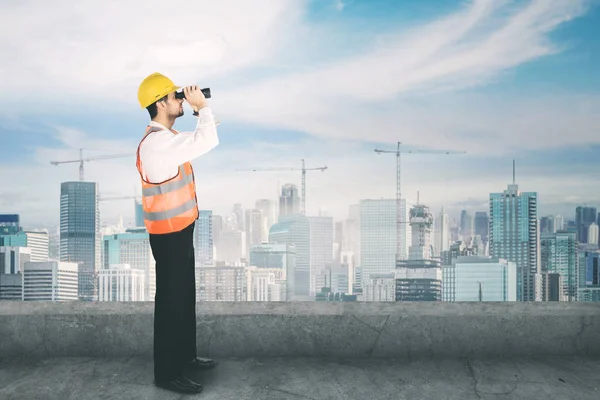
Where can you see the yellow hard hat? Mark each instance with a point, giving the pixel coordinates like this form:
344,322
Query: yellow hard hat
153,88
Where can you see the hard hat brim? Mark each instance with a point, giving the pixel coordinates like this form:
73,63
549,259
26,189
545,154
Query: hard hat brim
162,94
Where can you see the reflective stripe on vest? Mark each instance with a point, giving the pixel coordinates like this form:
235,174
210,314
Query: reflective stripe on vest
168,206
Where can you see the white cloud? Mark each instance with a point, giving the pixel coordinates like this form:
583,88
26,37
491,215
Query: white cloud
379,94
94,49
408,86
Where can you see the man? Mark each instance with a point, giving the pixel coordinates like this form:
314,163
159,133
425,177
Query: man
170,211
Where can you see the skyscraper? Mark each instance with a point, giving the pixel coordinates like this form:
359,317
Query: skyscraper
80,238
514,236
289,201
421,225
254,229
268,209
441,232
482,223
559,256
131,248
466,225
420,277
378,237
203,238
9,224
139,213
593,233
294,230
584,217
321,250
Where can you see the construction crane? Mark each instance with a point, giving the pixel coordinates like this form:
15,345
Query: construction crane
398,152
303,169
81,160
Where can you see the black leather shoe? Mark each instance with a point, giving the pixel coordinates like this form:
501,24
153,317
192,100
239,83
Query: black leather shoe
192,382
201,364
180,385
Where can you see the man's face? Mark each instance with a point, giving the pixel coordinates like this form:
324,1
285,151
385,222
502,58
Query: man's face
174,107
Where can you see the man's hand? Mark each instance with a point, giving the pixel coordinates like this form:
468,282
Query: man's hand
195,97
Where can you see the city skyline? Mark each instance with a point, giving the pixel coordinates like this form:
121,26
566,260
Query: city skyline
499,80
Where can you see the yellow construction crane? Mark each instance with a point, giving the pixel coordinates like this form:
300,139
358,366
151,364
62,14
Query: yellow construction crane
303,169
397,152
81,160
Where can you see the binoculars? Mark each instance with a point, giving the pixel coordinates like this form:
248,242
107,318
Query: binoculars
205,92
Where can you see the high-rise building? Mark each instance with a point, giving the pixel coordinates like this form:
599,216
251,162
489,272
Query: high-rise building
514,236
479,278
420,277
584,217
9,224
254,228
80,238
441,232
294,230
589,273
559,223
139,213
238,212
38,242
482,223
466,225
131,248
421,225
547,224
203,239
380,288
593,233
350,237
222,283
12,259
378,237
289,201
120,282
321,251
268,209
282,256
50,281
266,284
559,256
231,246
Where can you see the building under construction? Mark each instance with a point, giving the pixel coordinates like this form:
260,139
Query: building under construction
420,277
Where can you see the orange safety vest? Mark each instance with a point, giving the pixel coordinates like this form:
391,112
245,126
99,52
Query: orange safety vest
169,206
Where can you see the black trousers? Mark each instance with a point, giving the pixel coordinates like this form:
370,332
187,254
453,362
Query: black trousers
174,303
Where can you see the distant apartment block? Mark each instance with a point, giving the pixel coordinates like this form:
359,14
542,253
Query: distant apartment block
559,255
131,248
222,283
120,282
380,288
50,281
479,278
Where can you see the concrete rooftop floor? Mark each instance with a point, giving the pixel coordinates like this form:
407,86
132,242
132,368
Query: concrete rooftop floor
308,378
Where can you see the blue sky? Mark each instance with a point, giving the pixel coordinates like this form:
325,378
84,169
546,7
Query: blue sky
327,81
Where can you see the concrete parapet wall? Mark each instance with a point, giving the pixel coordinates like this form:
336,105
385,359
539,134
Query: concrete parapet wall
350,330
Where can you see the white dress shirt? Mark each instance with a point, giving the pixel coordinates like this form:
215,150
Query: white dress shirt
162,152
